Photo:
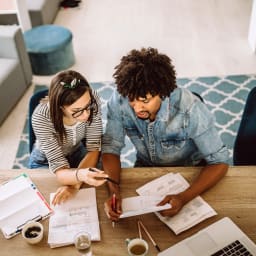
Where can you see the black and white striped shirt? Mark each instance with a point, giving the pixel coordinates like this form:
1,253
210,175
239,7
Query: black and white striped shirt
46,139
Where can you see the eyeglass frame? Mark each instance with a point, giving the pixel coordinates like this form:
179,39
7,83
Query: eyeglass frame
88,108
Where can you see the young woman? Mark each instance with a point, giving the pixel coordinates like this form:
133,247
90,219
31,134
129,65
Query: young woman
68,129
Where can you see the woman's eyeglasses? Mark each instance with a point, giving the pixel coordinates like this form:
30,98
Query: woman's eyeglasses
90,107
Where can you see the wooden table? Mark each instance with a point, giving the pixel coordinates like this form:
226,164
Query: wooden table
234,196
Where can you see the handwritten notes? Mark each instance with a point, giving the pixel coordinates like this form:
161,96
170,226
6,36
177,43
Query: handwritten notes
78,213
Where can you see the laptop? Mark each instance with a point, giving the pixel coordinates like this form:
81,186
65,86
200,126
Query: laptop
221,236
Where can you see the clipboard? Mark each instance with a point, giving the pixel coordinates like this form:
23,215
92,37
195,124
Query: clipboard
20,202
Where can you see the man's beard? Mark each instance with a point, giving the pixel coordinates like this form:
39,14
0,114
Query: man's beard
144,115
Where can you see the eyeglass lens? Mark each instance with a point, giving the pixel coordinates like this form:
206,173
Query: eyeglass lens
88,108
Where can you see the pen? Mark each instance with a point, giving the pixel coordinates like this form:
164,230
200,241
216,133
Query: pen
19,228
108,179
113,205
138,223
149,236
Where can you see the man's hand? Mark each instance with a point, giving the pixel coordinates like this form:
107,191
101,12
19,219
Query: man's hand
113,215
64,193
176,205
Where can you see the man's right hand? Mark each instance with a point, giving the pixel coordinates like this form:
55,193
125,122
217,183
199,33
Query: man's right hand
108,207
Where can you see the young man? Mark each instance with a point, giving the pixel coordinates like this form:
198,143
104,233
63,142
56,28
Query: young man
169,126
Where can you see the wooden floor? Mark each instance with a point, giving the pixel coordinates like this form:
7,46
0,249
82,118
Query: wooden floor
203,38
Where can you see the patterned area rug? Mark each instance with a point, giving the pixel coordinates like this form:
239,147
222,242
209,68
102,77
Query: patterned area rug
225,97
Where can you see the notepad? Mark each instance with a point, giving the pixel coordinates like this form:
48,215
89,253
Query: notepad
20,202
78,213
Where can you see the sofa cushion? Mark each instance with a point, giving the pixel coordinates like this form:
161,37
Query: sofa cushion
7,65
12,85
13,46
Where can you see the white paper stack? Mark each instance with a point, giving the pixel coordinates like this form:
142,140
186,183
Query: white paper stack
191,214
78,213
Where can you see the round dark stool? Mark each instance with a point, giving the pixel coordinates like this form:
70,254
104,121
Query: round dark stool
50,49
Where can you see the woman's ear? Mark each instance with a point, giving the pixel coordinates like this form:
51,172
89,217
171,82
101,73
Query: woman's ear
63,110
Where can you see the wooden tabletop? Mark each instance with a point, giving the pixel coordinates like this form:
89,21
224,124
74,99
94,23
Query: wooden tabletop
234,196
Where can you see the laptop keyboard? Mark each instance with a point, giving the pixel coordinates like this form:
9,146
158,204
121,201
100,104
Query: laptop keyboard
235,248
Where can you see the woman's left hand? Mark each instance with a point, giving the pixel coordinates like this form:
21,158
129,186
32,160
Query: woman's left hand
64,193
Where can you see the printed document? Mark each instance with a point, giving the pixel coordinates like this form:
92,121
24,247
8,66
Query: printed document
191,214
78,213
138,205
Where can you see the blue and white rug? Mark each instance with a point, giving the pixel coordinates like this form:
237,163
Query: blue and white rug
225,97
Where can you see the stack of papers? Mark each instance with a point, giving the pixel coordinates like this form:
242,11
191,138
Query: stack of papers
78,213
191,214
20,202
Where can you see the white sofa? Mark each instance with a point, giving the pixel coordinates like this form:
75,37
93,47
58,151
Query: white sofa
15,68
40,12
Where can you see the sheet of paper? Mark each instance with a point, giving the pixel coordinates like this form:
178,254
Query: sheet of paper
191,214
12,188
138,205
80,212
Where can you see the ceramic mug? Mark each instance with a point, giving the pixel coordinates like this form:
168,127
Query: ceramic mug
32,232
137,247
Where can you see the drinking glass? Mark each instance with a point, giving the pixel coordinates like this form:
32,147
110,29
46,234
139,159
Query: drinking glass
82,242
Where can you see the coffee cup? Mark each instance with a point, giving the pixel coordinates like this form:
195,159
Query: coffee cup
137,247
32,232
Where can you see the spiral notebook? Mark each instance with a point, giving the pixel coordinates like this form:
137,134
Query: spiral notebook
20,202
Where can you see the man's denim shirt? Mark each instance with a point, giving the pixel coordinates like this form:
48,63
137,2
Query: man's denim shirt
183,132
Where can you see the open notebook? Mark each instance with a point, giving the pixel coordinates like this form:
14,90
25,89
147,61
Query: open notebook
20,202
223,237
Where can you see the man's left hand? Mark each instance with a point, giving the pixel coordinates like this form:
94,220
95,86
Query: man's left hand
176,205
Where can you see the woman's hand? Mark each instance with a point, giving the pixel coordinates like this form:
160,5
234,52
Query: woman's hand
92,176
64,193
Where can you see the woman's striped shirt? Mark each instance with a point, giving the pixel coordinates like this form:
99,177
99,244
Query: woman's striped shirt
47,142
